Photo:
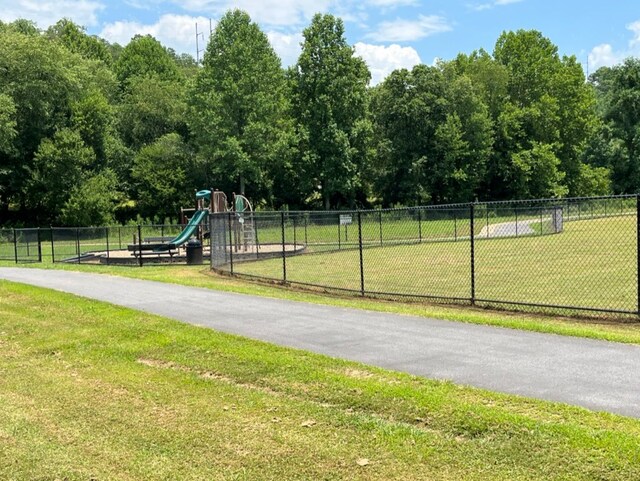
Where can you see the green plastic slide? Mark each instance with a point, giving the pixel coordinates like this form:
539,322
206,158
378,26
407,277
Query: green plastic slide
186,234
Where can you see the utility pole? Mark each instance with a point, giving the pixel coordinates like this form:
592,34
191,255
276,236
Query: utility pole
198,49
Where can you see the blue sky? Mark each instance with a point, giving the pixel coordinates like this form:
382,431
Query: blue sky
387,33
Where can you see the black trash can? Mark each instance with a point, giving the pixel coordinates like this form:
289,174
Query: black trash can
194,252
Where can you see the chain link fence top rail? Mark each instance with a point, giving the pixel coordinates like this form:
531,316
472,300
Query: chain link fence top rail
577,256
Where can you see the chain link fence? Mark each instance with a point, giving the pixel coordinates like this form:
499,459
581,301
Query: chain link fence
111,245
572,256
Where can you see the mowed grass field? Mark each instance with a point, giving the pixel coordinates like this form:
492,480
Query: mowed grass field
93,391
592,264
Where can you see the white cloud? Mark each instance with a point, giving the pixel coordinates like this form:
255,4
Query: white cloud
266,12
175,31
493,4
634,27
604,55
286,46
401,30
382,60
46,13
291,13
392,3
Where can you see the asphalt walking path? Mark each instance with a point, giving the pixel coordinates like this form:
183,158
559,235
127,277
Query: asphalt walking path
599,375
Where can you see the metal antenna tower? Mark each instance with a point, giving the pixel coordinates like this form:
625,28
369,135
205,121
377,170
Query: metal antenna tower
198,49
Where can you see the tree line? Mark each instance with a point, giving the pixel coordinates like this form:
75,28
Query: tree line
93,133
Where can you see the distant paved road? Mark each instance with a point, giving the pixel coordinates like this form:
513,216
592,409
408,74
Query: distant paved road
508,229
595,374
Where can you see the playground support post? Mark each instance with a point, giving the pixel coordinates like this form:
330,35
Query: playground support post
473,252
361,255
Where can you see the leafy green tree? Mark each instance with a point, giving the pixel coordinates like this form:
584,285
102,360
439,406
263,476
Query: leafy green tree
76,40
548,103
489,78
617,143
59,165
7,149
436,136
92,202
161,174
593,181
7,123
92,117
144,56
329,96
21,25
41,79
407,108
536,173
238,107
151,108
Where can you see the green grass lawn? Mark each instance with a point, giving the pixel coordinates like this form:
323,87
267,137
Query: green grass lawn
592,264
93,391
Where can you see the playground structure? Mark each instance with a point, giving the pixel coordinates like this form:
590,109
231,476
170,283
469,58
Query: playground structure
195,220
146,244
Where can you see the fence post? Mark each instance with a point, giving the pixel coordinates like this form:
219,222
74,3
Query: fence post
306,242
486,206
78,243
380,222
39,246
106,231
515,210
119,237
294,234
53,249
284,253
361,256
420,224
455,226
541,229
473,249
255,233
140,245
339,234
230,243
15,245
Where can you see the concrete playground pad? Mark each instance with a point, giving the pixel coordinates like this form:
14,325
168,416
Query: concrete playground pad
598,375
